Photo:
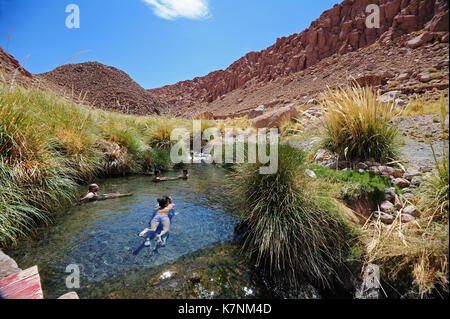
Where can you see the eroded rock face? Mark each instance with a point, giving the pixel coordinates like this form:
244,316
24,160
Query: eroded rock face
339,30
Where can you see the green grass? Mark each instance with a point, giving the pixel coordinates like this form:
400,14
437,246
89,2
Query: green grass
289,234
48,145
354,185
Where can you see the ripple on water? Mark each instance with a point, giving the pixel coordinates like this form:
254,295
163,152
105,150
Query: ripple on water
100,237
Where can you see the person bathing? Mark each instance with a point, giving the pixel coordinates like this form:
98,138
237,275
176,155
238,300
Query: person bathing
158,177
92,196
163,214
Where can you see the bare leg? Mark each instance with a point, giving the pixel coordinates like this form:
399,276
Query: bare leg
166,226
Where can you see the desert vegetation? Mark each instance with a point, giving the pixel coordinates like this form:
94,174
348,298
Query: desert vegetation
49,145
290,234
357,125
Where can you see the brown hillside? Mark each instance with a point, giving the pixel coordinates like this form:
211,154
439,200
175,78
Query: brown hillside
338,31
104,87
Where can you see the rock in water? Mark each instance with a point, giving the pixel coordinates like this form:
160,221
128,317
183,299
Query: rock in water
370,287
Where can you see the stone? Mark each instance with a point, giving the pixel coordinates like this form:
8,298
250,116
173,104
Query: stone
370,287
439,23
416,181
260,108
310,173
389,96
398,173
70,296
275,117
386,170
410,210
420,40
410,175
406,218
424,77
8,266
389,194
398,203
361,166
408,196
311,102
401,182
387,207
403,77
383,217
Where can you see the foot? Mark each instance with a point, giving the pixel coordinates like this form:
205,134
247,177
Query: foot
147,243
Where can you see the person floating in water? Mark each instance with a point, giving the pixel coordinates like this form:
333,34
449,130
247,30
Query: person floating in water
92,196
158,177
163,215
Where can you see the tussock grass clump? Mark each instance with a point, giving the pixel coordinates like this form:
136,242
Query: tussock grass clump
291,237
358,125
48,145
415,256
160,137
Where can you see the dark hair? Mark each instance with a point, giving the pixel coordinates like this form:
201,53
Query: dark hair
157,171
163,201
169,201
185,171
92,187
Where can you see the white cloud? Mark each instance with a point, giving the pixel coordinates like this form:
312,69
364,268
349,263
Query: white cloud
173,9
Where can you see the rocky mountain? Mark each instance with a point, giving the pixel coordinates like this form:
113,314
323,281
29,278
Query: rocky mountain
104,87
338,31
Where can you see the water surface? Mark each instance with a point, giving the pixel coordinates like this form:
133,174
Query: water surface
101,237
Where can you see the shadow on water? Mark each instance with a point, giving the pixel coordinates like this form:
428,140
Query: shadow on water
102,237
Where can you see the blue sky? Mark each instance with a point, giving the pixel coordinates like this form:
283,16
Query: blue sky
157,42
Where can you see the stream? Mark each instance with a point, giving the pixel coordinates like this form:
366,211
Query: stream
100,237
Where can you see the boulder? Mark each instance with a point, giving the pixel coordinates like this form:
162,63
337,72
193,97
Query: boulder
389,194
416,181
361,166
387,207
401,182
420,40
406,218
410,210
383,217
8,266
370,287
275,117
398,203
410,175
424,77
389,96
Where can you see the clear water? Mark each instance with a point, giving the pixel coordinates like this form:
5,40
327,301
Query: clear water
101,237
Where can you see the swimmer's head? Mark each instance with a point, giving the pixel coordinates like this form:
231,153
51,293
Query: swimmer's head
93,188
169,199
157,173
163,202
185,172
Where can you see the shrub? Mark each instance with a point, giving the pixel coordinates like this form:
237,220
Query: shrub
288,234
358,126
160,137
